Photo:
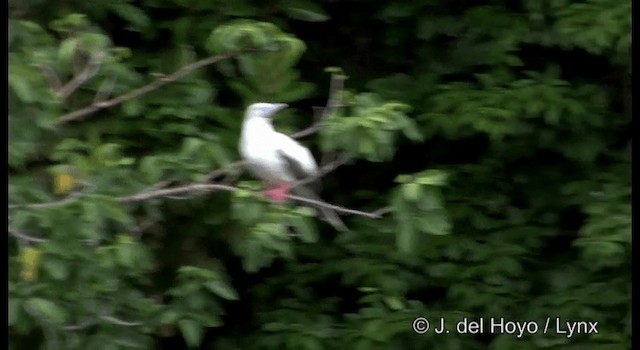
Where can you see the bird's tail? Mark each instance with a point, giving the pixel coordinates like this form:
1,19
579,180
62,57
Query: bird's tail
328,215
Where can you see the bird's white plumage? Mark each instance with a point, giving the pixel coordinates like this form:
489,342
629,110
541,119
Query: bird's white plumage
263,147
278,159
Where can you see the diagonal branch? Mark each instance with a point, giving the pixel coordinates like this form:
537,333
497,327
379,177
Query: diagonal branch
335,93
324,170
174,191
52,77
72,198
224,170
120,322
98,105
106,318
336,208
23,236
88,72
79,326
204,188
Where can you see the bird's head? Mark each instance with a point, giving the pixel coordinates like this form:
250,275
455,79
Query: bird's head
264,110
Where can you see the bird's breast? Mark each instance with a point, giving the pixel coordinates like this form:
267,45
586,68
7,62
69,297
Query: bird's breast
264,163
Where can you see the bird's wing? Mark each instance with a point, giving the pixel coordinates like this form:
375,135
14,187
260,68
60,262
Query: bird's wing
297,159
300,164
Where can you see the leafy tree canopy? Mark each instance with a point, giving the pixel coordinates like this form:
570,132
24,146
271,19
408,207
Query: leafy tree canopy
478,151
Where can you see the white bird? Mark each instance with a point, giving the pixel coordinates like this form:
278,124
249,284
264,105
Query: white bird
277,159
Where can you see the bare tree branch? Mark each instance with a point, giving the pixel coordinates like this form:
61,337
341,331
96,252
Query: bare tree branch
96,106
51,76
80,326
191,188
203,188
89,71
25,237
106,318
336,208
223,171
382,211
120,322
335,91
324,170
72,198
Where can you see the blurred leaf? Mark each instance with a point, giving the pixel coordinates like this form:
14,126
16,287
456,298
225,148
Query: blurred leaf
304,10
222,290
435,223
13,310
47,309
305,227
131,14
56,268
191,331
67,50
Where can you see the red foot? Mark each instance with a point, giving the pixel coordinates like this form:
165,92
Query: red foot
278,194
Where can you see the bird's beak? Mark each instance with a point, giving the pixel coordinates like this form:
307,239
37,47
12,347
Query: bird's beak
279,106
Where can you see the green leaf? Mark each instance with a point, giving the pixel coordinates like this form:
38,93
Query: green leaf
132,107
405,238
93,42
394,303
151,169
20,86
433,178
13,311
305,10
435,223
412,191
67,50
169,317
57,268
305,227
222,289
117,212
126,254
412,132
132,14
48,309
191,331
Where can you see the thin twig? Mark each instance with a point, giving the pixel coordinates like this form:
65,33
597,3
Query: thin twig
166,192
383,211
224,170
197,187
324,170
120,322
72,198
52,77
96,106
90,70
26,237
157,190
110,319
159,185
80,326
336,208
333,102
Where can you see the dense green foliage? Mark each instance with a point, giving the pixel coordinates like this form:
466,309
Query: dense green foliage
496,134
